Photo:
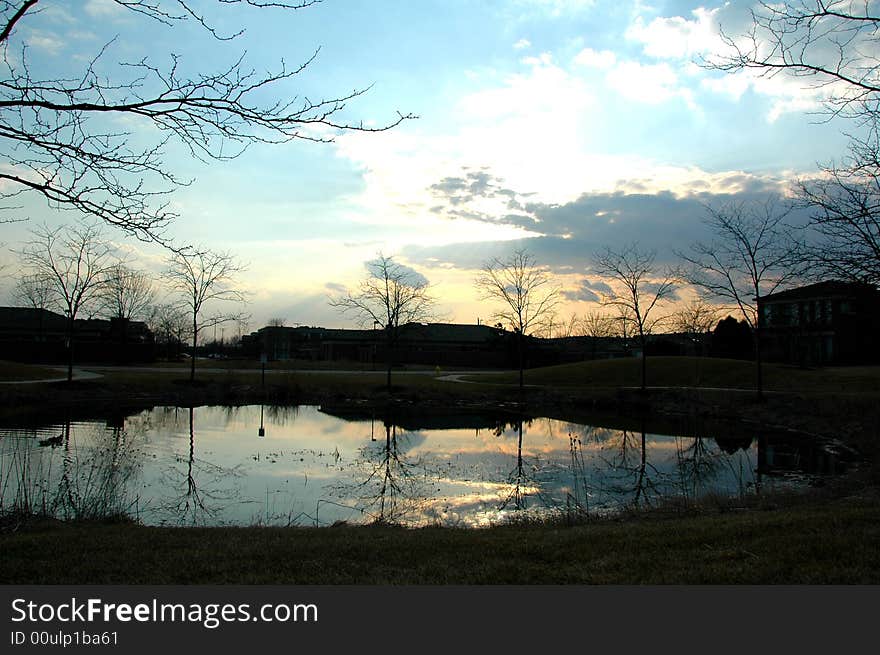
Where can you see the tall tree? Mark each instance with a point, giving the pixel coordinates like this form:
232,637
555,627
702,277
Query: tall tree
525,293
639,286
390,296
61,136
754,254
204,279
75,259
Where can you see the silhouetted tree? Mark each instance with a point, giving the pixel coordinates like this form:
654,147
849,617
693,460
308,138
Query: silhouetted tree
845,215
732,338
640,286
170,325
34,290
202,278
832,45
526,295
391,296
127,293
754,254
696,320
75,259
60,135
597,325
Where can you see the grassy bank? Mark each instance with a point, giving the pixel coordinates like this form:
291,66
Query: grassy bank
824,542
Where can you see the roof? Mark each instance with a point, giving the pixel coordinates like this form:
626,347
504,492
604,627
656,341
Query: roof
437,332
822,290
448,332
29,318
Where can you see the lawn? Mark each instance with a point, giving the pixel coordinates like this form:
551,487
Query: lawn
802,544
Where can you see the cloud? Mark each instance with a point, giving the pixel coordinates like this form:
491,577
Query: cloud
522,44
104,9
335,287
677,37
588,291
568,234
402,272
46,41
681,41
590,58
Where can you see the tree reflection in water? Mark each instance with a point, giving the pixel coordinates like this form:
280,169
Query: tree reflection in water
206,490
520,485
396,486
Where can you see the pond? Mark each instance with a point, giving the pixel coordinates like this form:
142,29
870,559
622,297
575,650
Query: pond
311,466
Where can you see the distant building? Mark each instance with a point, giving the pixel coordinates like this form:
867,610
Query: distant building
438,344
830,322
40,335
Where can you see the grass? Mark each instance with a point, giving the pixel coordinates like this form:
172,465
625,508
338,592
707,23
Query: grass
12,371
696,372
834,542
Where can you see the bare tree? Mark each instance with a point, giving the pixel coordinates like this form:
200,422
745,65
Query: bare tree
34,290
127,293
170,325
754,254
390,296
202,278
640,286
75,259
597,325
525,293
832,45
276,322
60,136
845,220
696,320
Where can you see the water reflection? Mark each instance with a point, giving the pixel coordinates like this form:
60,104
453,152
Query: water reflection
305,466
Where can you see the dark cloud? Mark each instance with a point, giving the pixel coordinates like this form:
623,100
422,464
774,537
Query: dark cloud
589,291
455,193
572,232
335,287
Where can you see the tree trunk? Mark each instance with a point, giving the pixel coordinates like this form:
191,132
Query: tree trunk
644,343
521,356
192,362
70,348
389,358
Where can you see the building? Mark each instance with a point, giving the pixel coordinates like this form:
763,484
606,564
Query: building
435,344
829,322
39,335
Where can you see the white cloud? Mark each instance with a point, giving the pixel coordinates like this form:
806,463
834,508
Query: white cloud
522,44
648,83
677,37
45,41
590,58
103,8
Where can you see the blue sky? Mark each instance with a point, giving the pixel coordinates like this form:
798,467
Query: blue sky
572,124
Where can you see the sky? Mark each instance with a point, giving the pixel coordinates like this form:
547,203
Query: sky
562,126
